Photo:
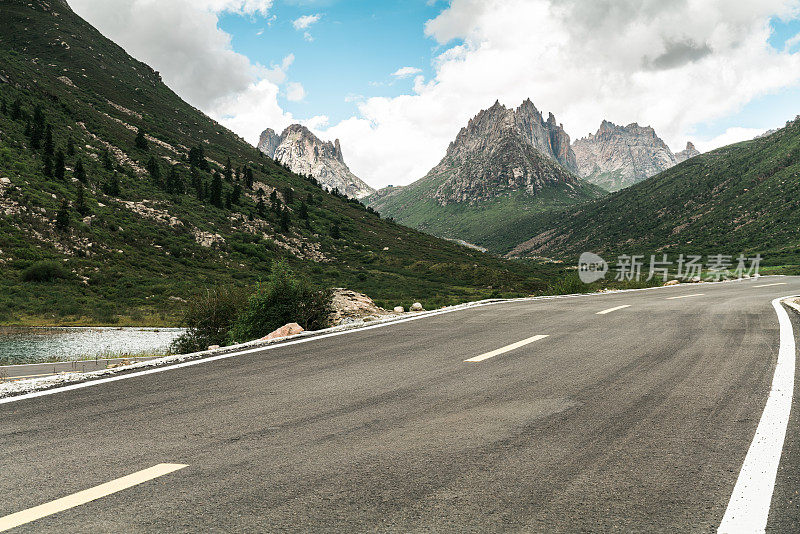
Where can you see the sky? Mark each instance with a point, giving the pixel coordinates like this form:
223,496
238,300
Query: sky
395,80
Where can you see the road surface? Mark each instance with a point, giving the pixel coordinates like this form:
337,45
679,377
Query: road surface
566,419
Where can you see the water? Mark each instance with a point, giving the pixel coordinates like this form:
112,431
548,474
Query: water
35,345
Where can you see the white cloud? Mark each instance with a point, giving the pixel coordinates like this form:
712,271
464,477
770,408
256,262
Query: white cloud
406,72
306,21
792,42
729,136
182,40
670,64
295,92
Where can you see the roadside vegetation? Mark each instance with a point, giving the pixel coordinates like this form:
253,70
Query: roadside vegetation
225,315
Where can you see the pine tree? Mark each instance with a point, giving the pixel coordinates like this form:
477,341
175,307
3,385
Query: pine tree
80,172
288,195
236,195
174,182
62,217
47,168
310,199
336,232
228,169
59,170
3,108
303,212
248,178
48,140
261,208
37,128
285,220
274,201
155,171
228,201
216,191
111,187
197,184
16,110
107,163
141,141
80,202
197,158
70,147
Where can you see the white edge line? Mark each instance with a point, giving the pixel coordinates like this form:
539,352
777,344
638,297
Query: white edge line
773,284
748,507
88,495
686,296
615,308
87,377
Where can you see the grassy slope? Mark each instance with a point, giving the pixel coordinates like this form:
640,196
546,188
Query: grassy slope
740,198
161,263
415,205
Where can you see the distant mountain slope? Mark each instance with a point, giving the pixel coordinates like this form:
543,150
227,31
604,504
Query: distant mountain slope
304,153
504,163
740,198
139,201
619,156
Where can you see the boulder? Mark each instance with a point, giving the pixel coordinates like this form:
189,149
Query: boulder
672,283
213,347
290,329
350,306
696,279
399,309
417,307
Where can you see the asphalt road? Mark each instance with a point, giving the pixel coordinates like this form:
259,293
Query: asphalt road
638,419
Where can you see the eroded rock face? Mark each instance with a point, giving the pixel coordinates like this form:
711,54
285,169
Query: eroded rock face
689,152
501,150
619,156
304,153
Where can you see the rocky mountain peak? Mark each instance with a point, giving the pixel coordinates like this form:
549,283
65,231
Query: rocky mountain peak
503,150
618,156
689,152
305,153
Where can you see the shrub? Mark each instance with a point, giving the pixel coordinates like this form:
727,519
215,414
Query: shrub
208,319
283,298
44,271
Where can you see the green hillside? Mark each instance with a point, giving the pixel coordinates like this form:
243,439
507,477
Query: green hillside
118,200
742,198
430,204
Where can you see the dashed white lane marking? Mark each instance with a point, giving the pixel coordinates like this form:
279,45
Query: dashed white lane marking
82,497
686,296
615,308
770,285
748,508
507,348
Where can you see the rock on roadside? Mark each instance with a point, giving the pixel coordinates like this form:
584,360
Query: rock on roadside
286,330
351,306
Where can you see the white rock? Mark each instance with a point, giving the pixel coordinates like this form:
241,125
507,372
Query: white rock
213,347
672,283
417,306
399,309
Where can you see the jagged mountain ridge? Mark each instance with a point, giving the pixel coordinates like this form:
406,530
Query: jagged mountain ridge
304,153
505,161
503,150
619,156
718,202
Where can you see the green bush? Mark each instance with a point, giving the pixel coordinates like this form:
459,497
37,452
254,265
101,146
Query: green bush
283,298
208,319
44,271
